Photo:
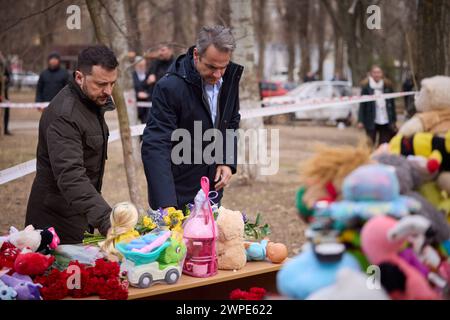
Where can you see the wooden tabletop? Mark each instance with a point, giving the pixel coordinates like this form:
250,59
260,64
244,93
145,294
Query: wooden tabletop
252,268
187,282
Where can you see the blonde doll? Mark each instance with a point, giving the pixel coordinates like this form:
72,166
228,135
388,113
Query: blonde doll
124,217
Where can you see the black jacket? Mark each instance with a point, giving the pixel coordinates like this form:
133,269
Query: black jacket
71,154
366,114
50,83
141,86
179,100
159,69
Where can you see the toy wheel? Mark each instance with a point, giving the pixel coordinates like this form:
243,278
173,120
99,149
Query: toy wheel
172,276
145,280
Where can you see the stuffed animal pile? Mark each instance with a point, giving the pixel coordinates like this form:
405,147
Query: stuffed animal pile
28,270
378,237
23,255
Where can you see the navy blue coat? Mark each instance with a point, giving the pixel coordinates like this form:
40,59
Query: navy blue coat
179,100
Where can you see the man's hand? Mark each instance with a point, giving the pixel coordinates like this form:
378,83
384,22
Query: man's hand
142,95
360,125
223,176
151,79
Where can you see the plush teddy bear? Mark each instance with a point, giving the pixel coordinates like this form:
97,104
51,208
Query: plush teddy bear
230,245
433,106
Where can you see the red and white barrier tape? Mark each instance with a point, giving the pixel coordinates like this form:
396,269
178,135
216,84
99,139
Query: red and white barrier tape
28,167
35,105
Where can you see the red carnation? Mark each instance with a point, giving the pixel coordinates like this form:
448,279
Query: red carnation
237,294
102,280
254,293
54,285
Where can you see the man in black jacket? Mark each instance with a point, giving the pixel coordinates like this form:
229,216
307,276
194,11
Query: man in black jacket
141,88
72,149
199,92
51,80
159,67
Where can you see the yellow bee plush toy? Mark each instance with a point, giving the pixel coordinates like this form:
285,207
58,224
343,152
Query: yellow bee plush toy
435,148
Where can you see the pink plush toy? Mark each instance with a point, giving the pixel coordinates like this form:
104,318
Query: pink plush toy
379,249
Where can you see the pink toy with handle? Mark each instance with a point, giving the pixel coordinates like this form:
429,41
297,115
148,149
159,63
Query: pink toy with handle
200,235
155,244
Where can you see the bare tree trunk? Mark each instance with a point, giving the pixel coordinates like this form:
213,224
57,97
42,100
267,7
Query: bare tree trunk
116,8
261,26
291,57
244,32
200,7
223,12
346,24
288,16
2,90
134,39
179,35
338,55
433,38
320,22
46,27
305,65
119,44
183,32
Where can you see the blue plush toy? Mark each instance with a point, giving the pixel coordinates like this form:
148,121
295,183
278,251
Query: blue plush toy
256,251
306,274
368,191
7,293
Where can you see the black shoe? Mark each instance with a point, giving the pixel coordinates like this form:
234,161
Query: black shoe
8,133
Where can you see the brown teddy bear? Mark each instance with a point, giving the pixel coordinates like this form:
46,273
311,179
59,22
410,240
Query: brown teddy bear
433,106
230,245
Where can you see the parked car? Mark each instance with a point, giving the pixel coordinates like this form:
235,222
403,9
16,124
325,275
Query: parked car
24,79
319,90
271,89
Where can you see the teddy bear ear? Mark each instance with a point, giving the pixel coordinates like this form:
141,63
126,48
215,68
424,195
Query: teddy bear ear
13,230
29,228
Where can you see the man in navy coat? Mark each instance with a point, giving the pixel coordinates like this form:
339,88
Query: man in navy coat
200,90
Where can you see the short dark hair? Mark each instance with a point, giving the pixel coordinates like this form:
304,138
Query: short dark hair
54,55
98,55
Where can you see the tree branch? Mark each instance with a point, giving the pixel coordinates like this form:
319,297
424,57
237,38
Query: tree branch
30,16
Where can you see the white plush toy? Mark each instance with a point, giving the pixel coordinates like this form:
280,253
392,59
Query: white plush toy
351,285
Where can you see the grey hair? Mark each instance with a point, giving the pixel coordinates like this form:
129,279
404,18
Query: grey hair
219,36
